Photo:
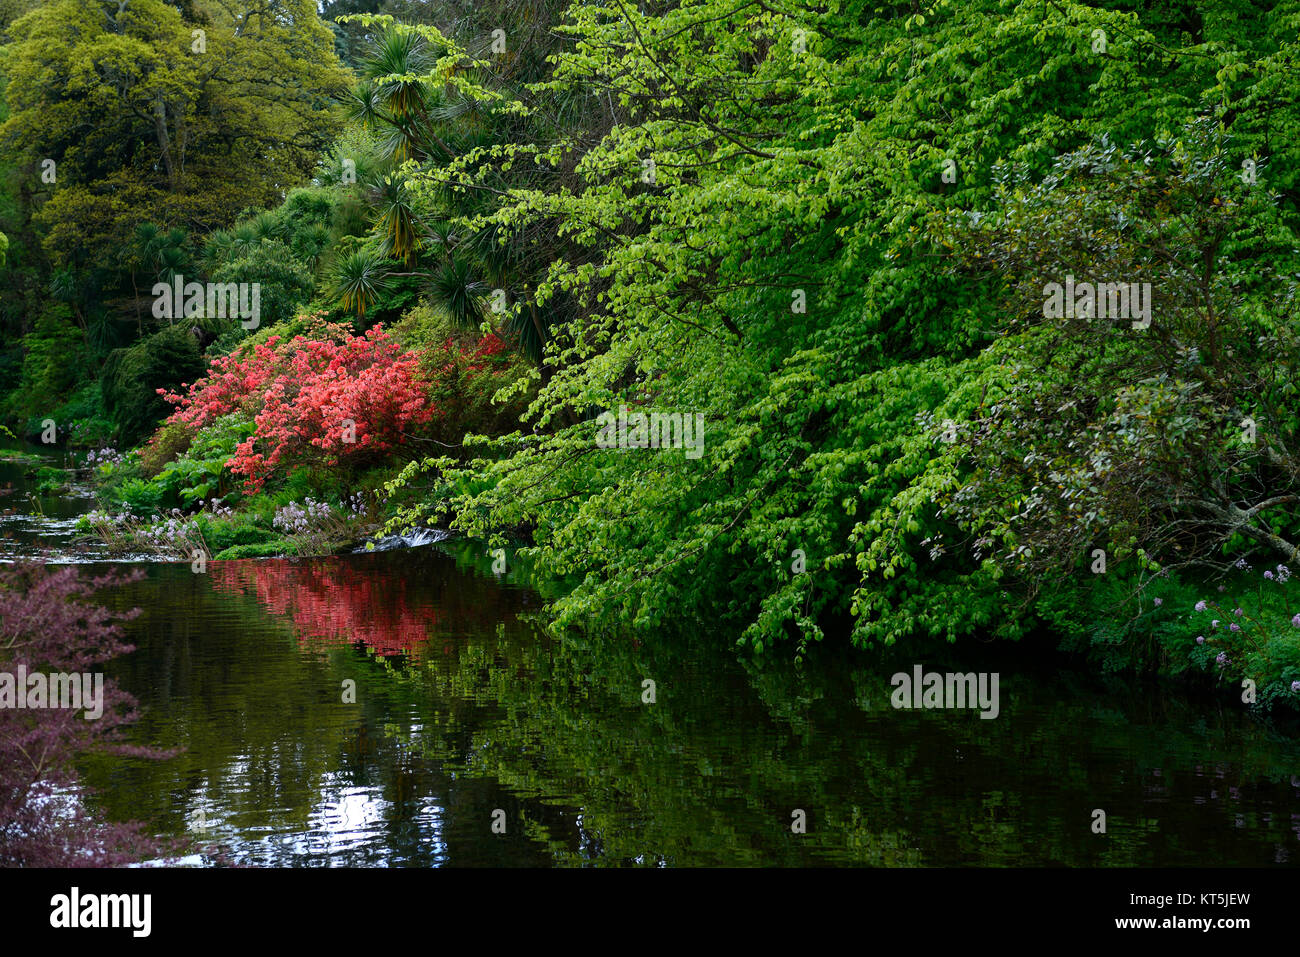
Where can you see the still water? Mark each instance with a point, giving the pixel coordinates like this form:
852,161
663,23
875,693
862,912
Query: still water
406,708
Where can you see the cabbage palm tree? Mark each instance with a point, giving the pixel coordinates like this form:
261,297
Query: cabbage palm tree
396,220
454,287
414,116
359,278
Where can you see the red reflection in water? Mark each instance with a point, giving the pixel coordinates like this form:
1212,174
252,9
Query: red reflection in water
334,602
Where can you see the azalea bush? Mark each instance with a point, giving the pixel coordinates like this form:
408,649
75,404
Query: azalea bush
467,371
318,400
464,381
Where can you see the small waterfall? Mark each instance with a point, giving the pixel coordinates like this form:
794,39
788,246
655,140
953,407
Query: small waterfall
410,538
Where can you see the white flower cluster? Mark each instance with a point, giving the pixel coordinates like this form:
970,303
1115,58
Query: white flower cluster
105,456
100,517
217,510
294,517
165,534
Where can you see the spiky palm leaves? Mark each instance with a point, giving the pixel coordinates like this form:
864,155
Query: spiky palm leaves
396,221
466,298
225,245
149,237
63,284
393,96
367,105
217,250
310,243
399,64
454,287
164,253
359,278
414,116
266,225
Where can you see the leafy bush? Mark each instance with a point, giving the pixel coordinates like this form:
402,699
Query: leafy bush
270,549
54,361
237,532
197,475
173,439
465,370
1254,635
1242,627
1178,441
51,481
134,492
87,421
285,281
201,472
186,480
315,402
132,378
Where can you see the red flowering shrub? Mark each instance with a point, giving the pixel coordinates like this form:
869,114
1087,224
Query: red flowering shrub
319,400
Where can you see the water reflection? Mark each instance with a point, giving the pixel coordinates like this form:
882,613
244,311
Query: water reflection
335,602
35,524
464,709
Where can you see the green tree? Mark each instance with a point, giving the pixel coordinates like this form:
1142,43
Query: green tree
1170,433
742,228
133,376
141,112
285,281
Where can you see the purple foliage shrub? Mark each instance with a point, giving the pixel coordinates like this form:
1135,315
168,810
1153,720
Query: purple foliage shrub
49,624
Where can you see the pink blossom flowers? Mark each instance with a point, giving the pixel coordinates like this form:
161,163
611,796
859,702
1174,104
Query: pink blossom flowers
321,400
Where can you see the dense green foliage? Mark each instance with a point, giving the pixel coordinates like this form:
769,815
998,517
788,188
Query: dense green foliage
133,376
826,232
